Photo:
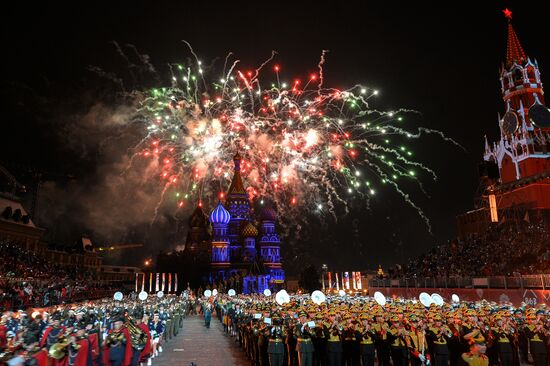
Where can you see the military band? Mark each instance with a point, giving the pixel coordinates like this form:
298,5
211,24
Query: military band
106,333
349,332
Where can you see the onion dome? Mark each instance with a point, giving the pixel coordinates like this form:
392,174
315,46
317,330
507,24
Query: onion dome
198,218
268,214
220,215
249,231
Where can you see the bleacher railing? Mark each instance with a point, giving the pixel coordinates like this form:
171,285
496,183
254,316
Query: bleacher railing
505,282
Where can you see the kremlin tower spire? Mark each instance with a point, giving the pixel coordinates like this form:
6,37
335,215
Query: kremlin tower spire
514,51
522,154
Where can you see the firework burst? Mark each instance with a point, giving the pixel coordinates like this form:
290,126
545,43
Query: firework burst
303,144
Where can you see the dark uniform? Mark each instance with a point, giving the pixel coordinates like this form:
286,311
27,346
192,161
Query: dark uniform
304,345
366,337
396,337
438,338
275,346
536,335
334,344
381,343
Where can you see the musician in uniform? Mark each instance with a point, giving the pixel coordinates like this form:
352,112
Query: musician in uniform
438,336
290,342
156,328
79,351
118,345
141,321
396,337
504,340
319,337
476,356
275,347
304,346
536,335
334,341
366,338
416,343
381,343
52,335
94,339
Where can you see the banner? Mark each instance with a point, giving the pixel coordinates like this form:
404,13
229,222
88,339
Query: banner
346,277
531,297
354,284
176,282
143,282
163,281
337,282
137,279
157,282
150,281
169,281
330,280
358,280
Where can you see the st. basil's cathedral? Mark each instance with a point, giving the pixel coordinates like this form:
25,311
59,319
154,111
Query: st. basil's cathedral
238,242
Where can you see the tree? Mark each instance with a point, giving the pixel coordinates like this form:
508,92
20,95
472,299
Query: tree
309,279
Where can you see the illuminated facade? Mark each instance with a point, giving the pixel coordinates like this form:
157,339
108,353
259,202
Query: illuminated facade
515,174
240,242
522,154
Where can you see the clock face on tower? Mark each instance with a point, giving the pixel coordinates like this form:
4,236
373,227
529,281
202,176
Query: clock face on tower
539,115
510,123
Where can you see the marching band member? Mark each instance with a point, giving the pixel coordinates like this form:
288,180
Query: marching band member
304,346
367,338
156,328
334,342
118,347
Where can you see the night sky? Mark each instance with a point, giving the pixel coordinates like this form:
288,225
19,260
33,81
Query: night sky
440,61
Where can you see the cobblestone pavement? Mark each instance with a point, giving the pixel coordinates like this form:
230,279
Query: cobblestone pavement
205,347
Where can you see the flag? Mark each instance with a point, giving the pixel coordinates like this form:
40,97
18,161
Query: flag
169,281
163,281
137,279
330,280
157,282
143,282
358,280
337,282
176,282
150,281
354,284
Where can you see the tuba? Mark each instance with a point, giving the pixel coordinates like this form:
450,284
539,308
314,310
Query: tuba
138,338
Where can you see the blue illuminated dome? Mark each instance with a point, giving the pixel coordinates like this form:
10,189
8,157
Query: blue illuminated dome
220,215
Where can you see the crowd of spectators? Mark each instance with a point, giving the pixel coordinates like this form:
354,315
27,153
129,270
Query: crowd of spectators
507,249
27,280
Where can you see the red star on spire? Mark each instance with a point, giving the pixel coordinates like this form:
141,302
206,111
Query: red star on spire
507,13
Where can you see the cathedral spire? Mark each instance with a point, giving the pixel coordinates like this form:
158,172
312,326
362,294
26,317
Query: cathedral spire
237,186
514,51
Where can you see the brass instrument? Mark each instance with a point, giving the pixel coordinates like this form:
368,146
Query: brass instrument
114,337
60,349
138,338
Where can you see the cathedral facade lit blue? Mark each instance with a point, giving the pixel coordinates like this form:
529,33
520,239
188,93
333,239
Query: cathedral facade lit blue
241,244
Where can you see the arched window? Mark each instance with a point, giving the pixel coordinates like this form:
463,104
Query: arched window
517,74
